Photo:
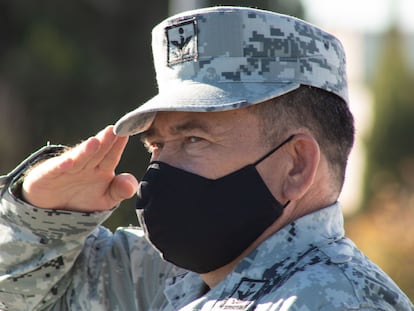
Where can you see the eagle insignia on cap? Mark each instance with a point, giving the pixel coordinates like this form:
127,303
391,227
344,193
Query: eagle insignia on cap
182,42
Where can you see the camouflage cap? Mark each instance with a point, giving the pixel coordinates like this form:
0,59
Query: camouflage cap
224,58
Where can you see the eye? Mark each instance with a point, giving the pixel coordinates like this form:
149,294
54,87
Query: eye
193,139
194,144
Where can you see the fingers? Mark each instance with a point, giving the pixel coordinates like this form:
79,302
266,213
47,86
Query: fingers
73,179
106,139
113,156
104,150
81,155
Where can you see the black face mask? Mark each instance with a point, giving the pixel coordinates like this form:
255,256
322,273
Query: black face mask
201,224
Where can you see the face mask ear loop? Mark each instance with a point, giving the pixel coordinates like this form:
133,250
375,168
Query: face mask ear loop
274,150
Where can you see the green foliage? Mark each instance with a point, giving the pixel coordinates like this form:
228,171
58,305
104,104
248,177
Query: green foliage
52,51
384,228
69,68
391,147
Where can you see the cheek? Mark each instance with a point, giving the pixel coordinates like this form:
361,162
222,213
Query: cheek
213,164
206,168
222,162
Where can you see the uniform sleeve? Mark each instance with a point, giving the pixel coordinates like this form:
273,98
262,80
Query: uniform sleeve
38,247
61,260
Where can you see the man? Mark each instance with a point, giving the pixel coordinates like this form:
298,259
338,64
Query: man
249,136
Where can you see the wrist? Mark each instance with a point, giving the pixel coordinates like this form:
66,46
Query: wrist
17,176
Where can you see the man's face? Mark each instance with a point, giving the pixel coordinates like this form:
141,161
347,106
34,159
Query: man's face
210,144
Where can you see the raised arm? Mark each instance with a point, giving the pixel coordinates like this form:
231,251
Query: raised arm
46,220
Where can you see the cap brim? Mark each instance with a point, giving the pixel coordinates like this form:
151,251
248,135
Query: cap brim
191,96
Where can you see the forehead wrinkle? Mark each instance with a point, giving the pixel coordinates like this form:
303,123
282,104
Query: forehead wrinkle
190,125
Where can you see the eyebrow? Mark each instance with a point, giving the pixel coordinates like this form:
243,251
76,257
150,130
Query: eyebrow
186,126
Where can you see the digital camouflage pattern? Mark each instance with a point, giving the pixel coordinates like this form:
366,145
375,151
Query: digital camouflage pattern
60,260
225,58
207,60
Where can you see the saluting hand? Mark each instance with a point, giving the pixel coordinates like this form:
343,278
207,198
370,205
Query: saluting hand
83,178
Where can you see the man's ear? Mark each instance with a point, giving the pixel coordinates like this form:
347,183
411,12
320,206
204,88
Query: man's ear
304,155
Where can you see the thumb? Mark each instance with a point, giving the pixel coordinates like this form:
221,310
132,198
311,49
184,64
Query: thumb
122,187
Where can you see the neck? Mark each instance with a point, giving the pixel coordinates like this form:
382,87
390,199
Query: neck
292,212
214,277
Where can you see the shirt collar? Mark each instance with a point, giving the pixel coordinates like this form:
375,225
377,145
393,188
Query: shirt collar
312,230
183,289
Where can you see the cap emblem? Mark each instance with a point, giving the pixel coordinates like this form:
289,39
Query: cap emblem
182,42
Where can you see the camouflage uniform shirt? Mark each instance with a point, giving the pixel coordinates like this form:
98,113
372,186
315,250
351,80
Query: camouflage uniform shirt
61,260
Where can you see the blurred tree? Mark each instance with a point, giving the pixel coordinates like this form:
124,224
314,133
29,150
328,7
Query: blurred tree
68,68
388,211
390,164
